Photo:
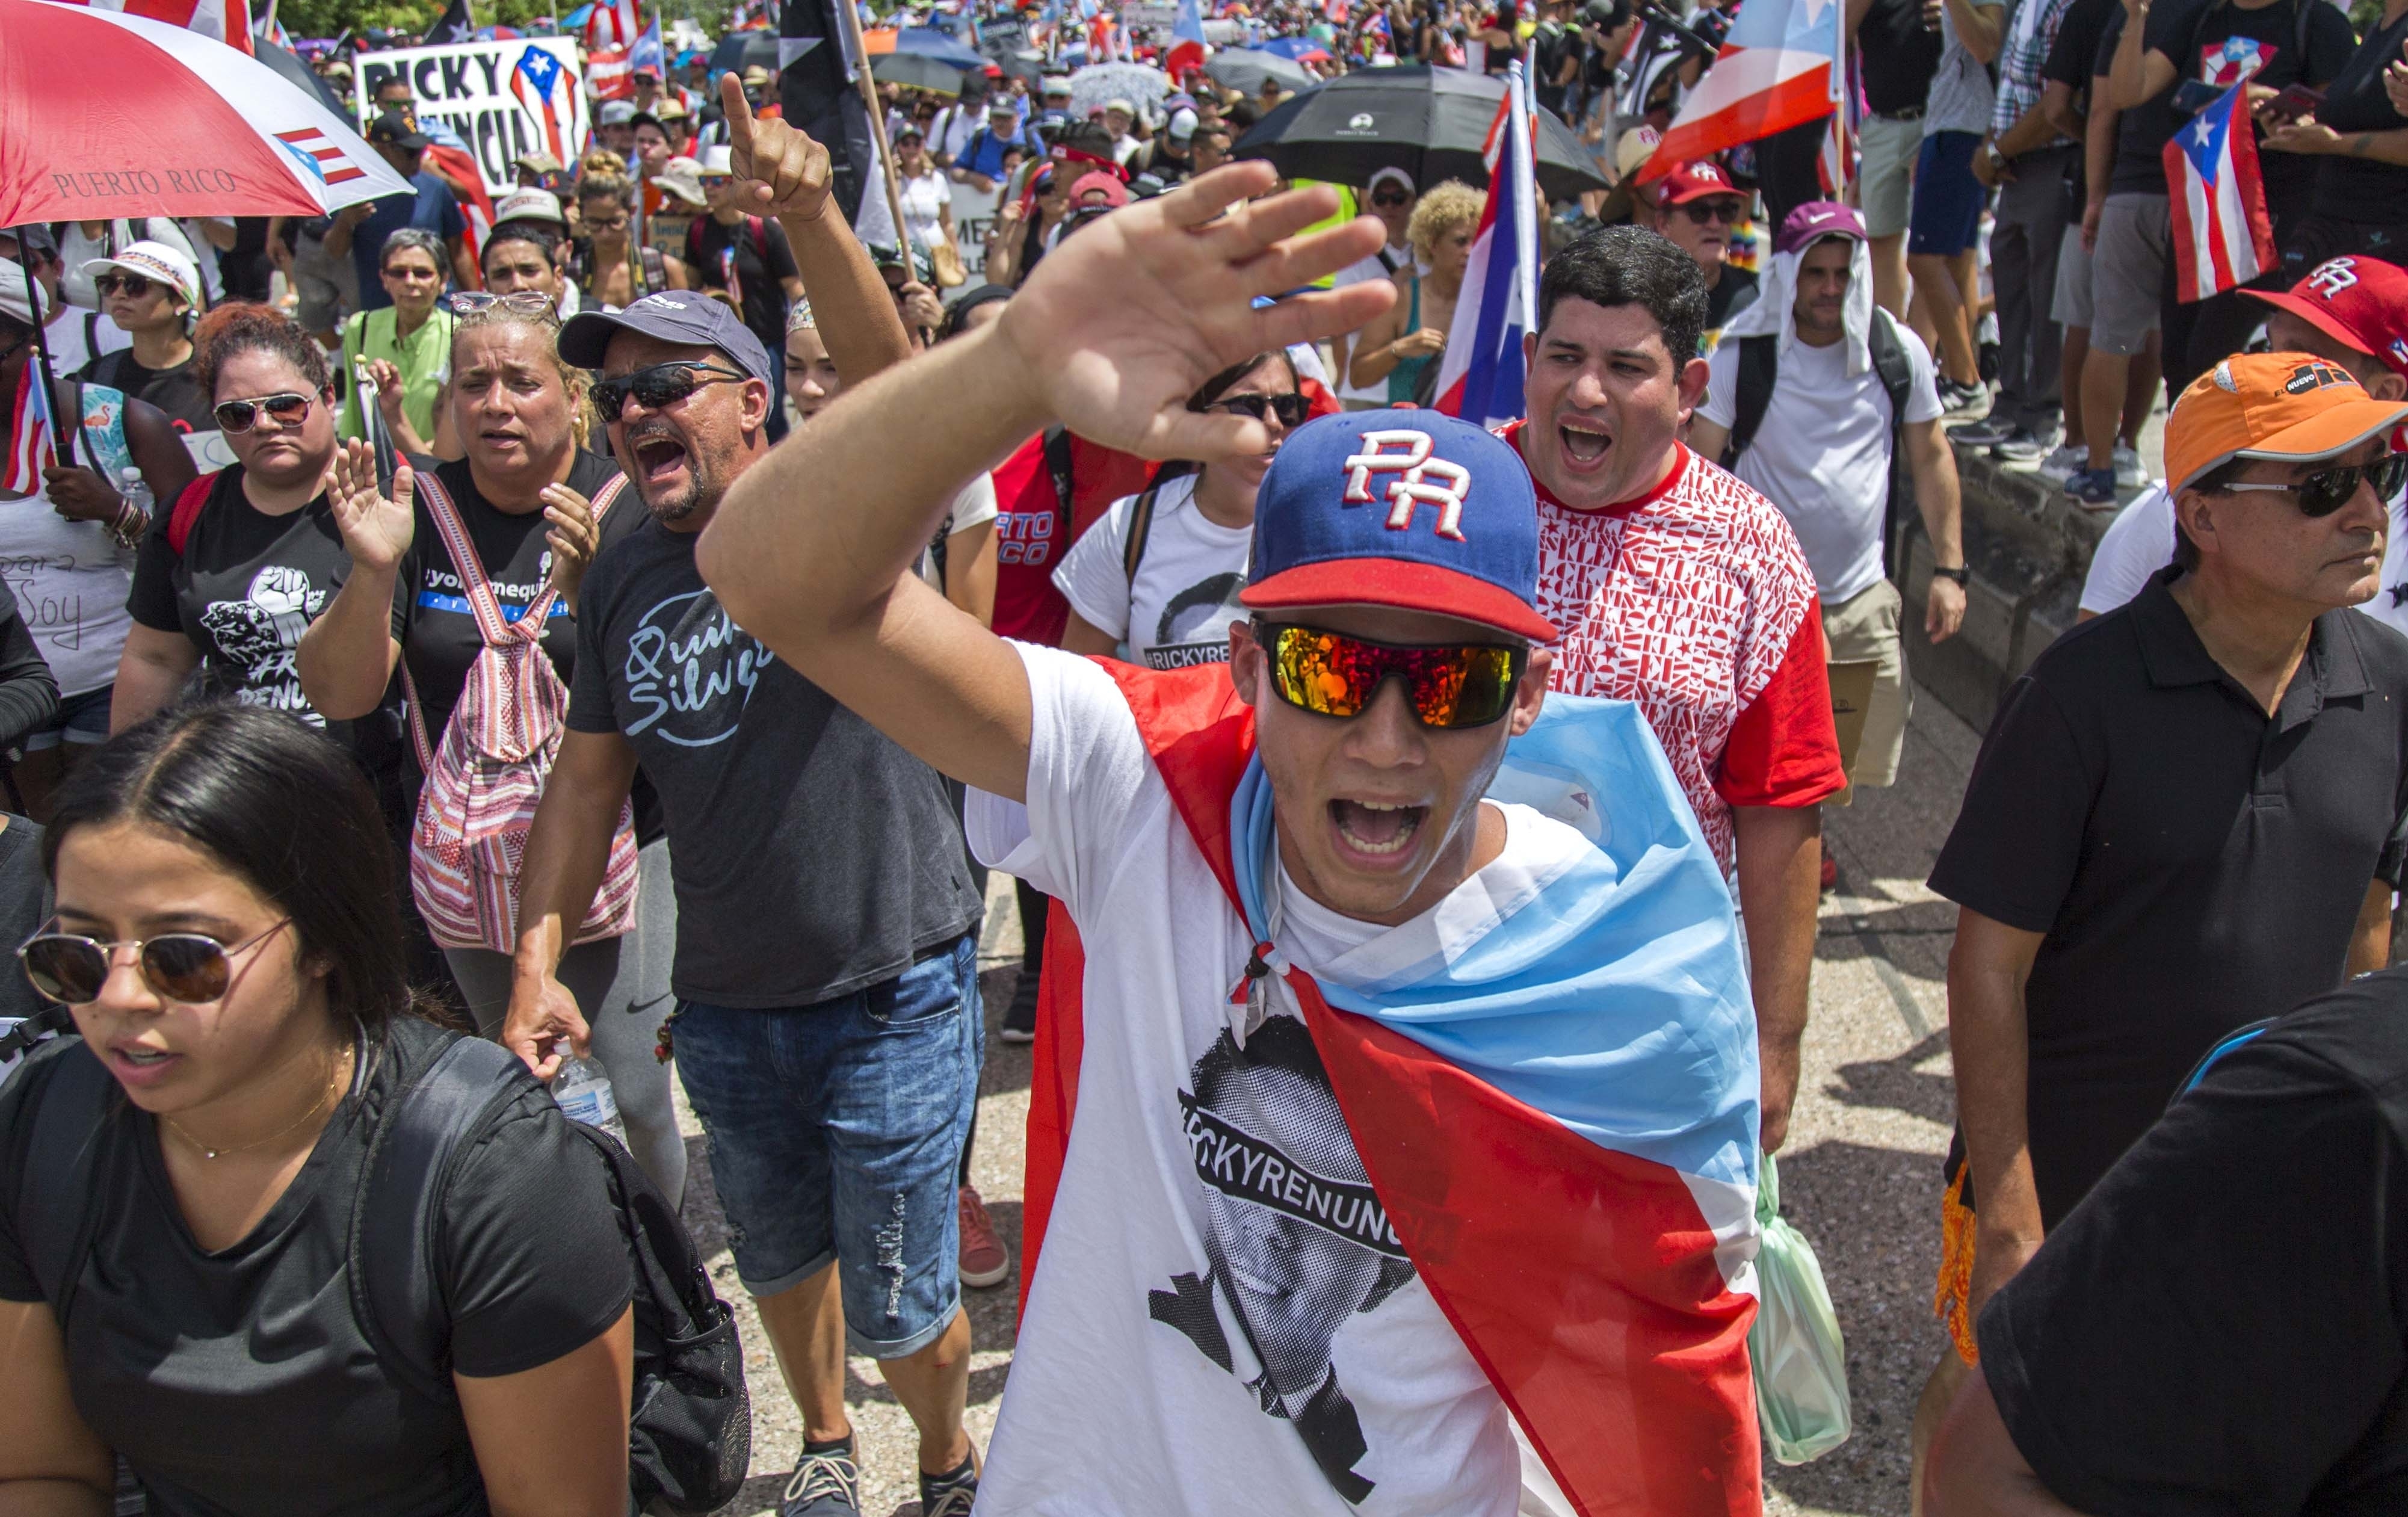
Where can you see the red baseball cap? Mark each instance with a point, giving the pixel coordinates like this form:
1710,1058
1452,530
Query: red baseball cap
1694,180
1096,188
2360,302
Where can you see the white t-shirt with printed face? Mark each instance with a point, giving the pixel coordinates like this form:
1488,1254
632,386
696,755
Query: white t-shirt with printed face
1222,1321
1179,610
1822,453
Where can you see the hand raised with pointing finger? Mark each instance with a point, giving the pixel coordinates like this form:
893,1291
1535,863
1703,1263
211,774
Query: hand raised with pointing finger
1119,326
783,171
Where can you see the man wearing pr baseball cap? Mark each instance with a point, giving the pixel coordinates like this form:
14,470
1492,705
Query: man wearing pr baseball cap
826,961
1335,992
2186,818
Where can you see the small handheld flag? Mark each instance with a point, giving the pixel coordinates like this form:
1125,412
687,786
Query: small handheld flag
2222,236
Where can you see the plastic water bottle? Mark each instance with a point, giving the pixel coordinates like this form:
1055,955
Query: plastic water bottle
581,1090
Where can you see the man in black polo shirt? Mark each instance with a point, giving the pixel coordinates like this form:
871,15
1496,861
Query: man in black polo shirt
2186,816
2247,1251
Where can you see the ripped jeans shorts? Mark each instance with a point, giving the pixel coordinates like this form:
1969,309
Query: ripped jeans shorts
836,1131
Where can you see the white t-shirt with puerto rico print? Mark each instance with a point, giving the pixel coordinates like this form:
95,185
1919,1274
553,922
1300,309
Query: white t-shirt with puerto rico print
1222,1322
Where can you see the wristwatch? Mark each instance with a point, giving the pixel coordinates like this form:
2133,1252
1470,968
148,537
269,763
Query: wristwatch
1998,159
1960,574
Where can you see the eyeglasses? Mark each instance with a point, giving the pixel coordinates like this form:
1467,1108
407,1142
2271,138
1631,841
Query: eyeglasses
190,967
1391,200
525,302
1450,685
1291,409
2327,491
1703,211
618,225
662,384
132,286
242,415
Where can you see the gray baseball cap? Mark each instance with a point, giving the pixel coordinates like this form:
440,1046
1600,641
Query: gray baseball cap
682,316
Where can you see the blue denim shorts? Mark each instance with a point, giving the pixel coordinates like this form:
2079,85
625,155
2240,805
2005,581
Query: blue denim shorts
835,1130
1948,200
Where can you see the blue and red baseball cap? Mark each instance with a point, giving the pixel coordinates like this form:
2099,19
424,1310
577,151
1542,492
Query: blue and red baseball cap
1410,509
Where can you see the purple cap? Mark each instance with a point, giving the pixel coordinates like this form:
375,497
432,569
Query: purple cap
1812,221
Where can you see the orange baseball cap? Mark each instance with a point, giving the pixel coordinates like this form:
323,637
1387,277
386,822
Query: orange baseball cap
2289,407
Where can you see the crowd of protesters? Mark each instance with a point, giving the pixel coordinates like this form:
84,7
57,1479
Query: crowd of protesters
627,632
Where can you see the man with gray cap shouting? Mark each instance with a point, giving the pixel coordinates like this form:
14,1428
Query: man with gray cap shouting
827,1023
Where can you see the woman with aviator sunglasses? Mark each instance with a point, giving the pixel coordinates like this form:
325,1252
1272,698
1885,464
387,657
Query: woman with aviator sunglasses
525,495
1161,571
185,1173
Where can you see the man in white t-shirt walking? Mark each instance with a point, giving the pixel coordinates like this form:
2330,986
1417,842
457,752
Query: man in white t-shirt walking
1346,1010
1819,437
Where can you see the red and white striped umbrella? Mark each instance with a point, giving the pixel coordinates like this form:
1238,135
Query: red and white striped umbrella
105,114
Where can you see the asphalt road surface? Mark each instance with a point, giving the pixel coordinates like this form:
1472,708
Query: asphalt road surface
1859,1177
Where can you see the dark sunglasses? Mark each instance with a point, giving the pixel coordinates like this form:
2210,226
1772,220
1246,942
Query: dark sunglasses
242,415
1450,685
1390,200
2327,491
1703,211
190,967
662,384
1290,408
133,286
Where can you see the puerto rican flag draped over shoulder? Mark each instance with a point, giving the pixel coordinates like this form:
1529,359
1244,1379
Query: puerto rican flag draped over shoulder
1579,1204
612,25
1480,376
1779,67
226,21
1188,50
2221,234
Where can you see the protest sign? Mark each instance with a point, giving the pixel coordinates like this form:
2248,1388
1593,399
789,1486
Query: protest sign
499,99
973,213
1158,19
1000,39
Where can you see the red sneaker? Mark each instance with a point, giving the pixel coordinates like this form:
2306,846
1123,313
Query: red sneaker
984,1260
1830,873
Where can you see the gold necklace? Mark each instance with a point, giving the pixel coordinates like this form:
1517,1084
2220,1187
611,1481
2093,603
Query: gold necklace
315,1106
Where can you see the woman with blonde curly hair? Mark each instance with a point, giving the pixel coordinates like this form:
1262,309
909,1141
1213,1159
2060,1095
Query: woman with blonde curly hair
536,507
1397,345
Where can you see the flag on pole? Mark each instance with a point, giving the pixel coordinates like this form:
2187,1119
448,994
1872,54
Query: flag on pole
612,25
548,95
454,26
648,53
1480,378
1779,67
1187,42
611,74
30,450
227,20
2221,234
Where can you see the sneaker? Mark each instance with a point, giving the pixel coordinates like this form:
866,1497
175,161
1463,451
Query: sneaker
2021,446
1831,874
984,1260
952,1493
825,1484
1961,400
1020,1017
2094,489
1987,433
2130,471
2069,460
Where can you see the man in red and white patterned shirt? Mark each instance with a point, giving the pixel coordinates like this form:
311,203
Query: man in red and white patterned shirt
1684,591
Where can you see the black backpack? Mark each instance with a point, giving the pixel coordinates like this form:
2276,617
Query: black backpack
689,1436
690,1428
1760,366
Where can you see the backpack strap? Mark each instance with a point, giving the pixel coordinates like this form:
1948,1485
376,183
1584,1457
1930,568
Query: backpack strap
1759,366
1059,465
483,605
188,509
57,1206
1140,527
1896,373
760,241
656,273
398,1210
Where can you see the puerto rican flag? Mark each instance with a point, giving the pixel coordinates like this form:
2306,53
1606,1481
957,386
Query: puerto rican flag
1779,67
30,450
320,155
612,25
226,21
549,96
1188,50
648,53
1579,1202
611,73
1480,378
2222,236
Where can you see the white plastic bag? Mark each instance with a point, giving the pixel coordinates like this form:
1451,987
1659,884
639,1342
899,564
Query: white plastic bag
1801,1364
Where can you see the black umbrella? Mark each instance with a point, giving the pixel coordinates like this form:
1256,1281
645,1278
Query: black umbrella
1245,68
1430,122
916,71
739,51
303,75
